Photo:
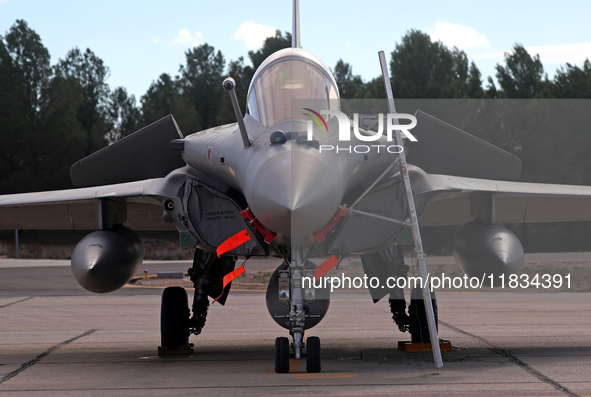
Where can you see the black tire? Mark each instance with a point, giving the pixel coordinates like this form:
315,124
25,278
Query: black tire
282,355
419,326
313,354
174,318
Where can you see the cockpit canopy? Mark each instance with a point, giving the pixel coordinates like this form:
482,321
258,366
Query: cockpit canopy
287,81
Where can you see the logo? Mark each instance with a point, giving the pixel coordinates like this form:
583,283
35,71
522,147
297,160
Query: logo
315,117
345,125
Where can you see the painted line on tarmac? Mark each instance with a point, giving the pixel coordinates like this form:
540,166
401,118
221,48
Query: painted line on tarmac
295,369
46,353
14,303
82,303
515,360
238,289
326,375
294,366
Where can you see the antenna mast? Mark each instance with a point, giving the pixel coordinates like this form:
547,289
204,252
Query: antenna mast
295,27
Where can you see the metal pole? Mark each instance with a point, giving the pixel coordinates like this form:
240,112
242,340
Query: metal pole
16,243
229,84
415,222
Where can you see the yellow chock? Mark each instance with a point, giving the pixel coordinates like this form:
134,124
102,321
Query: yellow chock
422,347
175,351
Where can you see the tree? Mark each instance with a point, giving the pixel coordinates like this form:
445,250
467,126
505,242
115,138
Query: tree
422,68
462,73
572,82
31,59
91,73
201,82
522,77
242,74
40,134
62,140
474,84
373,89
271,45
24,74
349,84
124,115
491,89
411,65
163,98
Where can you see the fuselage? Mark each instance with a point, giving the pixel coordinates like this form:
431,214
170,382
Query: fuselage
292,187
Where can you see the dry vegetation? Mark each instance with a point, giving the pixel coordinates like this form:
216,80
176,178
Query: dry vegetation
60,245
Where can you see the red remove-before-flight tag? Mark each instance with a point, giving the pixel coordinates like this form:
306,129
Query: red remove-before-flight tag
228,279
235,241
325,267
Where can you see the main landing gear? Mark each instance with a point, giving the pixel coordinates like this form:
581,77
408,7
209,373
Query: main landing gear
415,322
176,323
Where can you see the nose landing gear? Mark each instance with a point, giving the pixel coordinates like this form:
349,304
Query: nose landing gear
296,305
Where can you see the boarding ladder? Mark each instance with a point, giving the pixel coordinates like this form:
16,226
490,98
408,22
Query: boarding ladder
414,221
411,222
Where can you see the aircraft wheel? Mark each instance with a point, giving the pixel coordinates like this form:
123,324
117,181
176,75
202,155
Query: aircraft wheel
419,327
313,354
282,355
174,318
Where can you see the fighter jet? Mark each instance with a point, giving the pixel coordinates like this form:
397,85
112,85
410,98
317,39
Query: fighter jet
280,182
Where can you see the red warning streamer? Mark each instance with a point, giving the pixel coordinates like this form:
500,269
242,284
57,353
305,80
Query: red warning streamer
321,235
325,267
228,279
268,236
235,241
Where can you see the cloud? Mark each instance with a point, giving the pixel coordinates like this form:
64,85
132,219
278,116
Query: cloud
562,53
184,38
463,37
253,34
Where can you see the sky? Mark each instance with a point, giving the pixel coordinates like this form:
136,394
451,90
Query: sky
139,40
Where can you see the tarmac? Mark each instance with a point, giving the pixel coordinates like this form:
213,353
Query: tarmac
57,339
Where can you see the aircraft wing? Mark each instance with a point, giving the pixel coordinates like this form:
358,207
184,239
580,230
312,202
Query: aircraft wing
453,200
77,209
138,170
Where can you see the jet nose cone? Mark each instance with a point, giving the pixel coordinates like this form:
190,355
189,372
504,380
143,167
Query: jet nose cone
294,194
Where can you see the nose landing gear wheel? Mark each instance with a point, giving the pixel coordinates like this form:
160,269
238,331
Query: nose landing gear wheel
282,355
313,354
